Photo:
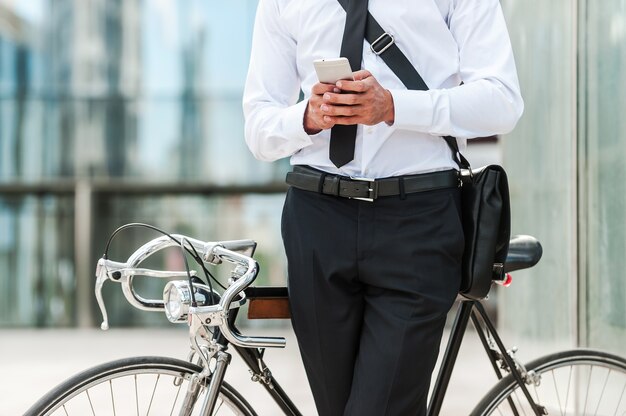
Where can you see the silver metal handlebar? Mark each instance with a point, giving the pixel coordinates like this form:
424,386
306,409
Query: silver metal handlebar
252,269
238,252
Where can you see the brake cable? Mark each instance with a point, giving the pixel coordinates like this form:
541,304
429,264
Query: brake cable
193,252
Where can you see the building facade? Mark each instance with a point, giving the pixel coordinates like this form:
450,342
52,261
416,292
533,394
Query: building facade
118,111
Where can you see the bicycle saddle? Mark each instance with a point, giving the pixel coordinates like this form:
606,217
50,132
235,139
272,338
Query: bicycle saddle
524,252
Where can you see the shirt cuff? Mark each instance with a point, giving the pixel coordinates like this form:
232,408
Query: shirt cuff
413,110
294,127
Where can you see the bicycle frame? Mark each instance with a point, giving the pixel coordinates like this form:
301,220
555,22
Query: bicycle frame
222,315
253,357
468,310
474,310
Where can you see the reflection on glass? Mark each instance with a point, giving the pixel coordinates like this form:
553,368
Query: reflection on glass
141,90
36,259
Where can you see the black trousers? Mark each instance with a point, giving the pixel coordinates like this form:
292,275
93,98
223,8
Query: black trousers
370,284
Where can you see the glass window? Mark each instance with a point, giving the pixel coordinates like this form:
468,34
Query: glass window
540,306
36,259
32,144
155,94
602,170
195,45
133,90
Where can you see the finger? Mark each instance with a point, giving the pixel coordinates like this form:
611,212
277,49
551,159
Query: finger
325,122
339,110
342,99
352,86
320,88
362,74
322,123
343,120
316,100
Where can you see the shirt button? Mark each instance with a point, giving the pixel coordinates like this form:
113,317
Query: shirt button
369,130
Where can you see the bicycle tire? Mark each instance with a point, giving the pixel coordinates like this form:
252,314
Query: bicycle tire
587,371
117,378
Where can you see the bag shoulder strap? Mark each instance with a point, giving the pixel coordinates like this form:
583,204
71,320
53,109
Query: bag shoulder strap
385,47
383,44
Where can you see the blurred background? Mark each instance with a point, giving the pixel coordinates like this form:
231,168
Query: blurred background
114,111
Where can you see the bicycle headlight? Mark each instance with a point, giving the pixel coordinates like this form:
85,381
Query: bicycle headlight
177,299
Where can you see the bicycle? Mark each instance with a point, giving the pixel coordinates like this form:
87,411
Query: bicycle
574,382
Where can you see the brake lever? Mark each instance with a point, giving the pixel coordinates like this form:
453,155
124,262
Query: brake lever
101,277
121,273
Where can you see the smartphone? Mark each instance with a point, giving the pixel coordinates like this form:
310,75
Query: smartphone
329,71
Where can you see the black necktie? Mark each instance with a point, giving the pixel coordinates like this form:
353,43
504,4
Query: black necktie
343,137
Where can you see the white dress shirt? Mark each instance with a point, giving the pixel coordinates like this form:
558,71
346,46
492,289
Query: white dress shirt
448,41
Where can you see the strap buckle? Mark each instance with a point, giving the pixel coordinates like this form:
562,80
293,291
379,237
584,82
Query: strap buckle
372,189
385,37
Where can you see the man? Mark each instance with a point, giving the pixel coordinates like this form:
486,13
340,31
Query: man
371,281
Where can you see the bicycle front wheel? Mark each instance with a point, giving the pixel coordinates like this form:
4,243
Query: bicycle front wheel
134,386
569,383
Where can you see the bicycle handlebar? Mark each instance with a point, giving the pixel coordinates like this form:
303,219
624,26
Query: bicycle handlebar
237,252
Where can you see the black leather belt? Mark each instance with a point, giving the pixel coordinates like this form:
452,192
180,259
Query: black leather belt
309,179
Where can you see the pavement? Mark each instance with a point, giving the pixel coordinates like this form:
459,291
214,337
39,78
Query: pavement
34,361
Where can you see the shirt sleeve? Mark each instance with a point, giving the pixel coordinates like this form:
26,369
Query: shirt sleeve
273,121
489,101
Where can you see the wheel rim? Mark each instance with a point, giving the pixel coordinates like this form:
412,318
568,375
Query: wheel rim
136,391
571,386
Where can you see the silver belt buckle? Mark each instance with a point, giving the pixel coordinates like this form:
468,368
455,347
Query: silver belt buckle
372,188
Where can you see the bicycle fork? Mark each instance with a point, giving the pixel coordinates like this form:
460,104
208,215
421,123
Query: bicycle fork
222,360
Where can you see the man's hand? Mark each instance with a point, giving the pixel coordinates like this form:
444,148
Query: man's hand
313,116
362,101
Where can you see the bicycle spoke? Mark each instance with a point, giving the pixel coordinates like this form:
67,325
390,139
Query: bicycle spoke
112,399
93,412
577,387
620,399
556,390
176,398
536,394
153,391
538,399
602,392
521,405
588,384
144,386
569,383
218,407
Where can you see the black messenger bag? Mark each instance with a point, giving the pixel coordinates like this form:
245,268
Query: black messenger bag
487,227
486,219
486,212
